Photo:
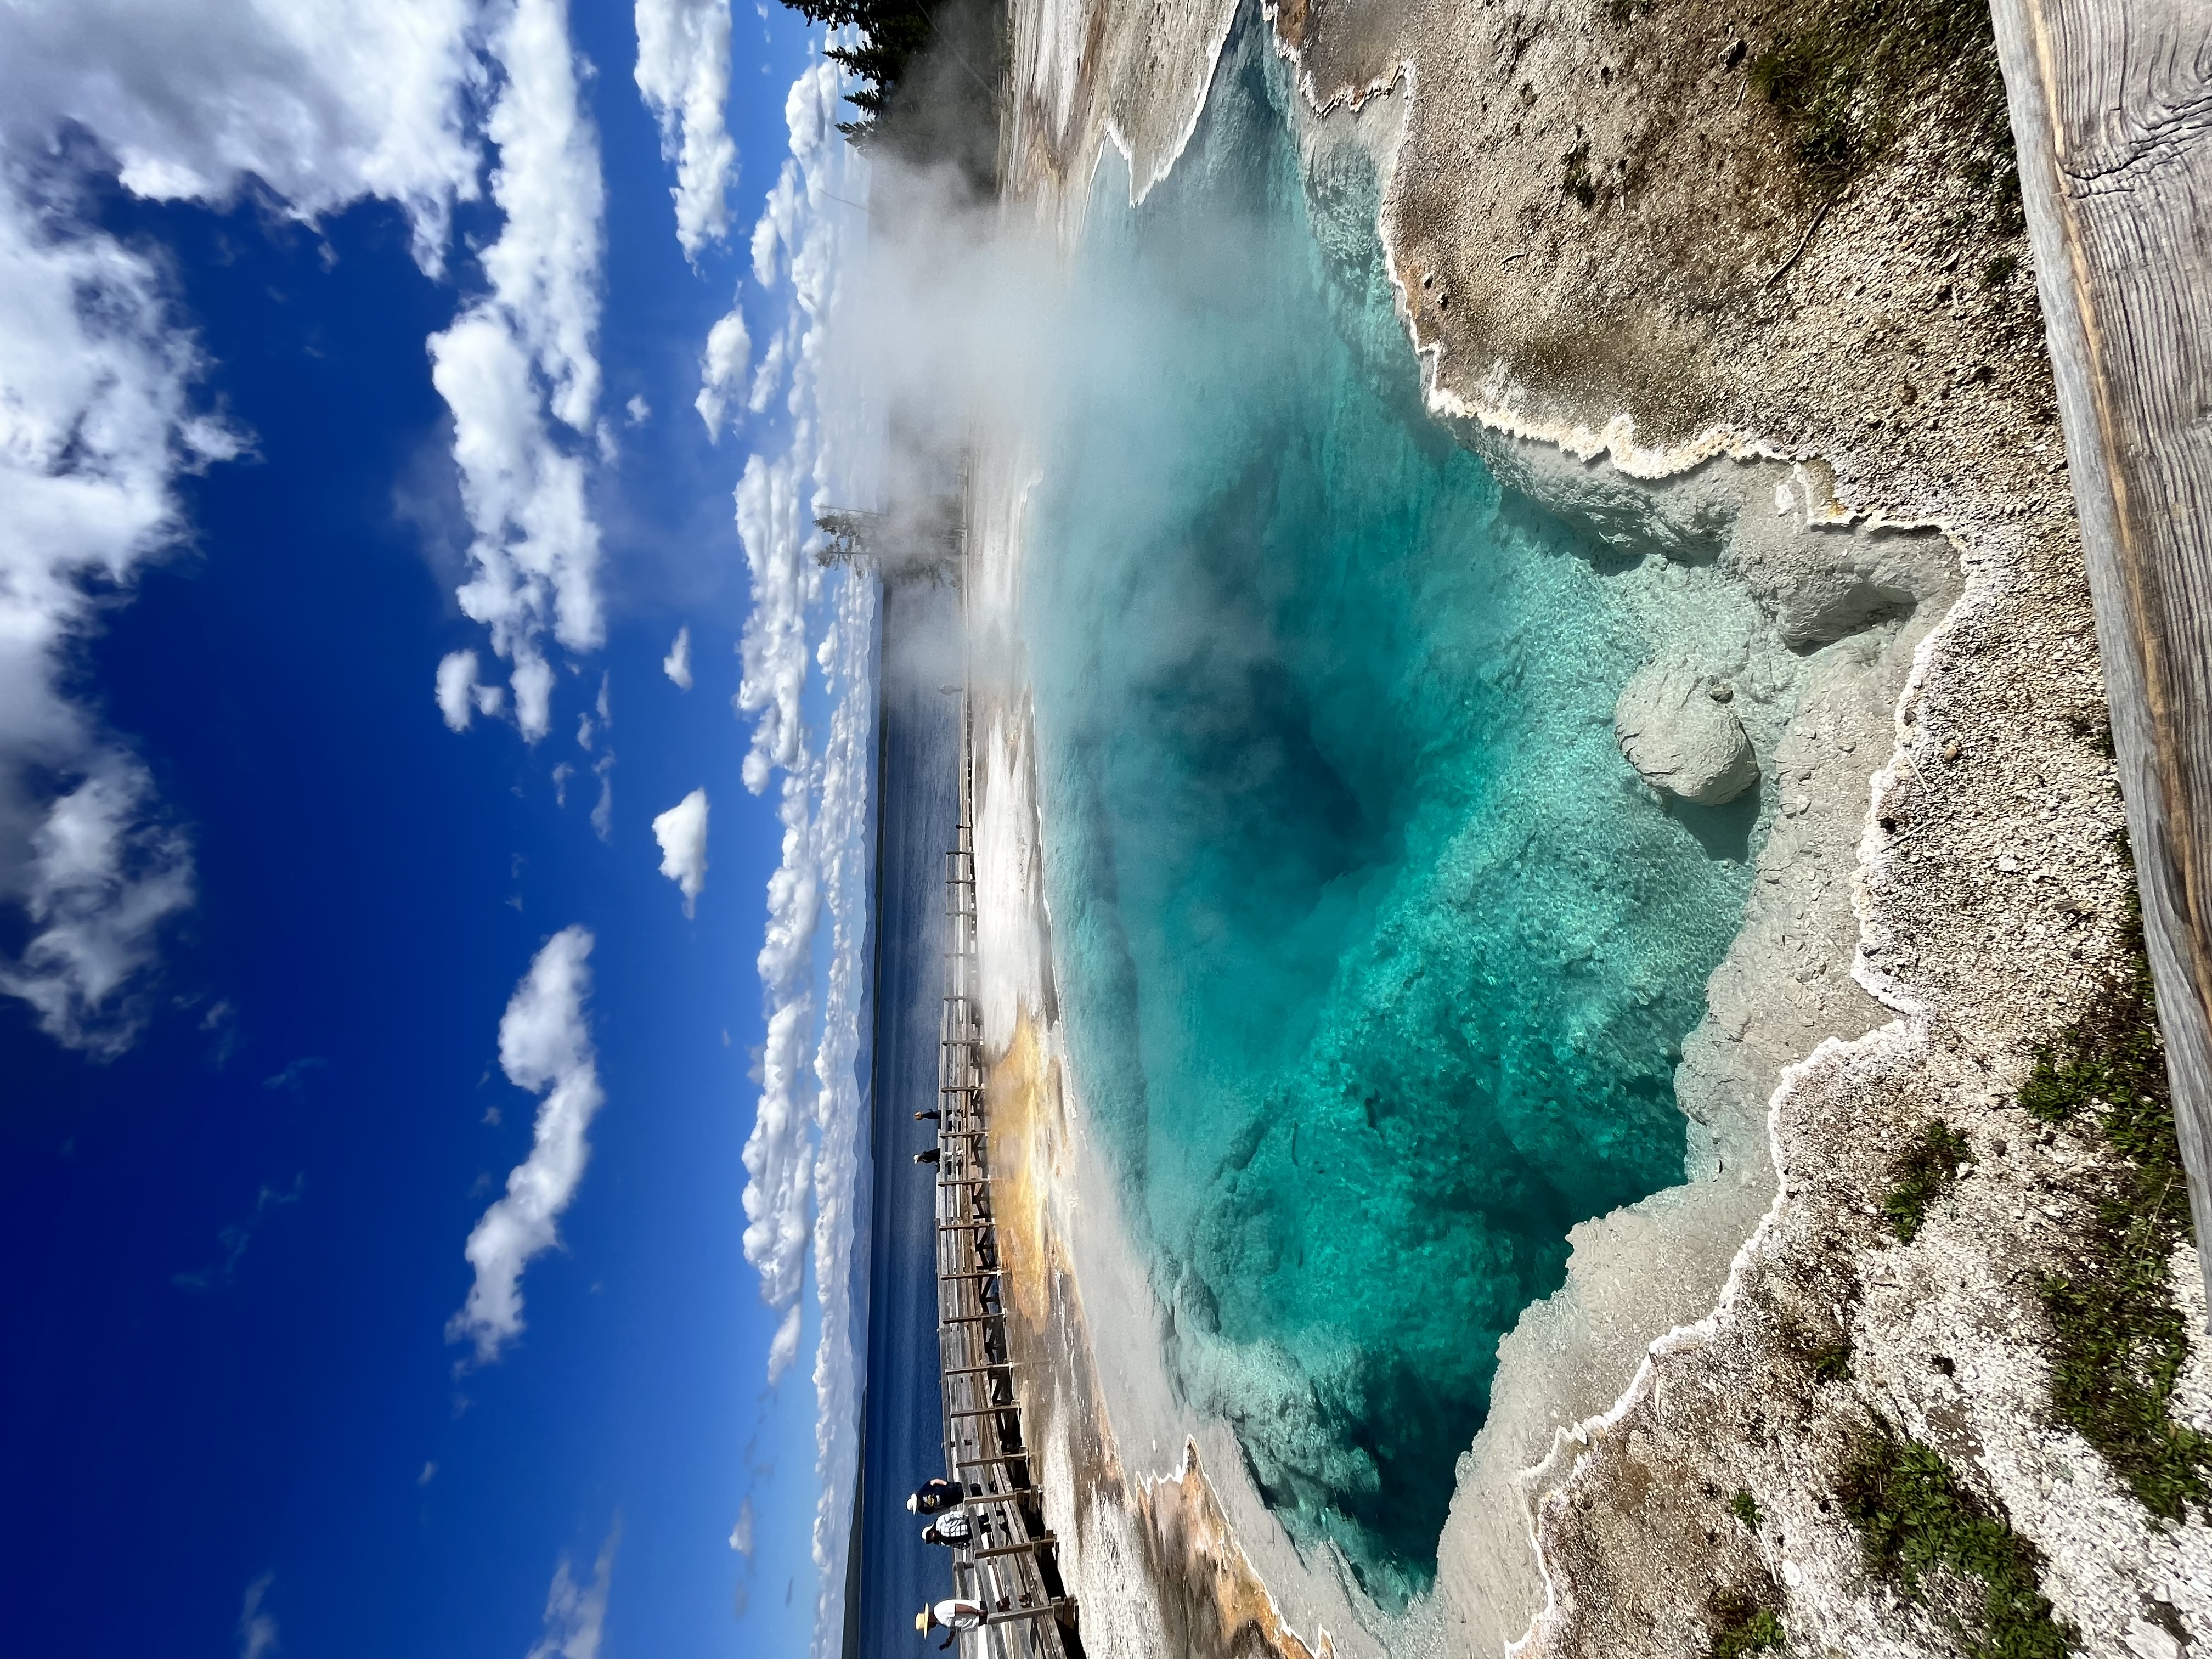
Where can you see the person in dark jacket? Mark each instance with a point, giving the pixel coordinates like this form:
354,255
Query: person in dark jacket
928,1156
933,1496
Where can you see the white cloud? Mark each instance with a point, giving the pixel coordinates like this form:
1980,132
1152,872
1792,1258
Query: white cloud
577,1614
638,409
526,352
102,878
741,1535
845,852
677,665
804,1151
544,268
96,423
322,102
722,368
773,523
682,833
783,1347
257,1626
683,73
603,810
773,226
326,101
461,695
777,1166
769,375
546,1047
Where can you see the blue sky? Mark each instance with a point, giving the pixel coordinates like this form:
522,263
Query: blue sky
264,913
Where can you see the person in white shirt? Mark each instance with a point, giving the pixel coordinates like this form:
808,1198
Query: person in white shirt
952,1616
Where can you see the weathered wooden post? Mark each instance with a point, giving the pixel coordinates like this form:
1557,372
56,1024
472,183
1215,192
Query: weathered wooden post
2111,113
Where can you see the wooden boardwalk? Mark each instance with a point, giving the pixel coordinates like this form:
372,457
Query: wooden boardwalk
2112,110
1010,1566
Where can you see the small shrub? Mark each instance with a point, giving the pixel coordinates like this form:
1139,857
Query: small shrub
1843,75
1741,1626
1926,1171
1919,1528
1831,1362
2119,1339
1745,1508
1999,270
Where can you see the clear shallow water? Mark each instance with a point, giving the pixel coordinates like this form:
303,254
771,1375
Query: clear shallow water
1377,960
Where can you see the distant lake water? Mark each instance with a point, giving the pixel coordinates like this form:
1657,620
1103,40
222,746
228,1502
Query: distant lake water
1377,959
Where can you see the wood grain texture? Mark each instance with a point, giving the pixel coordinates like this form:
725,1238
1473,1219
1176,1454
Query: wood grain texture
2111,112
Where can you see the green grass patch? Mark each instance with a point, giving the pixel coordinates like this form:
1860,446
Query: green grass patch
1832,1362
1938,1542
1923,1174
1745,1508
1741,1626
1842,73
2119,1339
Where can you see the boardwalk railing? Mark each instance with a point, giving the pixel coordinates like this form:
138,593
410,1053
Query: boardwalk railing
1007,1566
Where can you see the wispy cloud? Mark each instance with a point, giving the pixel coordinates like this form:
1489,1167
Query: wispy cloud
521,362
683,73
577,1614
546,1047
293,1077
603,810
682,833
97,422
257,1626
234,1239
741,1535
677,665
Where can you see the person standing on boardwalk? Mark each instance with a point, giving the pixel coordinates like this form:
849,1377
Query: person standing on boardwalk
928,1156
933,1496
953,1528
952,1615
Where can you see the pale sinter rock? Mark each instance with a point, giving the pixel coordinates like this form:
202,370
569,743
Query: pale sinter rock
1677,730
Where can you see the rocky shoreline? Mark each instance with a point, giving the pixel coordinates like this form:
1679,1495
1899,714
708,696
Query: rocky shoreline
1617,267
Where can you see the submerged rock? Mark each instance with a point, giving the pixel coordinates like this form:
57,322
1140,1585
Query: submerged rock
1677,730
